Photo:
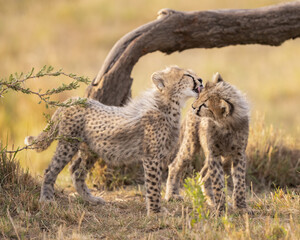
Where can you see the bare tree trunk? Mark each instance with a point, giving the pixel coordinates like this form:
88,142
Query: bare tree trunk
177,31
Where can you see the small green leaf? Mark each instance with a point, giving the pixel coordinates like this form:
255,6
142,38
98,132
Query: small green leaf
50,69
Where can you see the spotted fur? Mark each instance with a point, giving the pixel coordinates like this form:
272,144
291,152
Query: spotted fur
220,125
145,129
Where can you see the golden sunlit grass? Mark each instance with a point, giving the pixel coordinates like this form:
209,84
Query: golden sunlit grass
273,157
276,214
76,36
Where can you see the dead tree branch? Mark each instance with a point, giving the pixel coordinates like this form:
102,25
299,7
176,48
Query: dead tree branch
177,31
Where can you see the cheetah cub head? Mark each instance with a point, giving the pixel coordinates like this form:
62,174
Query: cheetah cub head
221,101
177,84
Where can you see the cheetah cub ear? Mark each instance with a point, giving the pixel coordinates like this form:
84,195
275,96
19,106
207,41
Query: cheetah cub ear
157,79
217,78
226,107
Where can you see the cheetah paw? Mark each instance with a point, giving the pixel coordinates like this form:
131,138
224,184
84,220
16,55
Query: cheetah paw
174,197
162,212
96,200
248,211
46,202
46,199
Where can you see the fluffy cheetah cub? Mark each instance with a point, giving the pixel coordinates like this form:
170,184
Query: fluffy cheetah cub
220,125
145,129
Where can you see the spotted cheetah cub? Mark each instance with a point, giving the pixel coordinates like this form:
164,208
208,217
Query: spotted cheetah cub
145,129
220,125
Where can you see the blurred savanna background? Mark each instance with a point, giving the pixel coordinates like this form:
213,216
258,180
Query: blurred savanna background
77,35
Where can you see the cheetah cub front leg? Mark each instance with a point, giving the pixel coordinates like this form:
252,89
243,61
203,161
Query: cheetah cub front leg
216,173
189,145
152,184
238,171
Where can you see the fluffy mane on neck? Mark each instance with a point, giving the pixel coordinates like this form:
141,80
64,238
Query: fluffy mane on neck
230,93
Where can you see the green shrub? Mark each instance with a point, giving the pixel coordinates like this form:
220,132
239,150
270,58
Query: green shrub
194,192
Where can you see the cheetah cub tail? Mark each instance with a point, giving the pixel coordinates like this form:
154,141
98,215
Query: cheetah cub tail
29,140
39,143
46,137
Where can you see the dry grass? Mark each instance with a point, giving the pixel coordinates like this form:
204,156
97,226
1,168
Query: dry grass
124,216
273,157
77,35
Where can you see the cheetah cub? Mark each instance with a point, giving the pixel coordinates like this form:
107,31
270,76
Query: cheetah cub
145,129
220,125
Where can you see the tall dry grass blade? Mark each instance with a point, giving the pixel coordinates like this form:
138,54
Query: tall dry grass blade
12,223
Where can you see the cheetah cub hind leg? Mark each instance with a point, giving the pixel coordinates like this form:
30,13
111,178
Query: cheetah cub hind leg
79,170
83,191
